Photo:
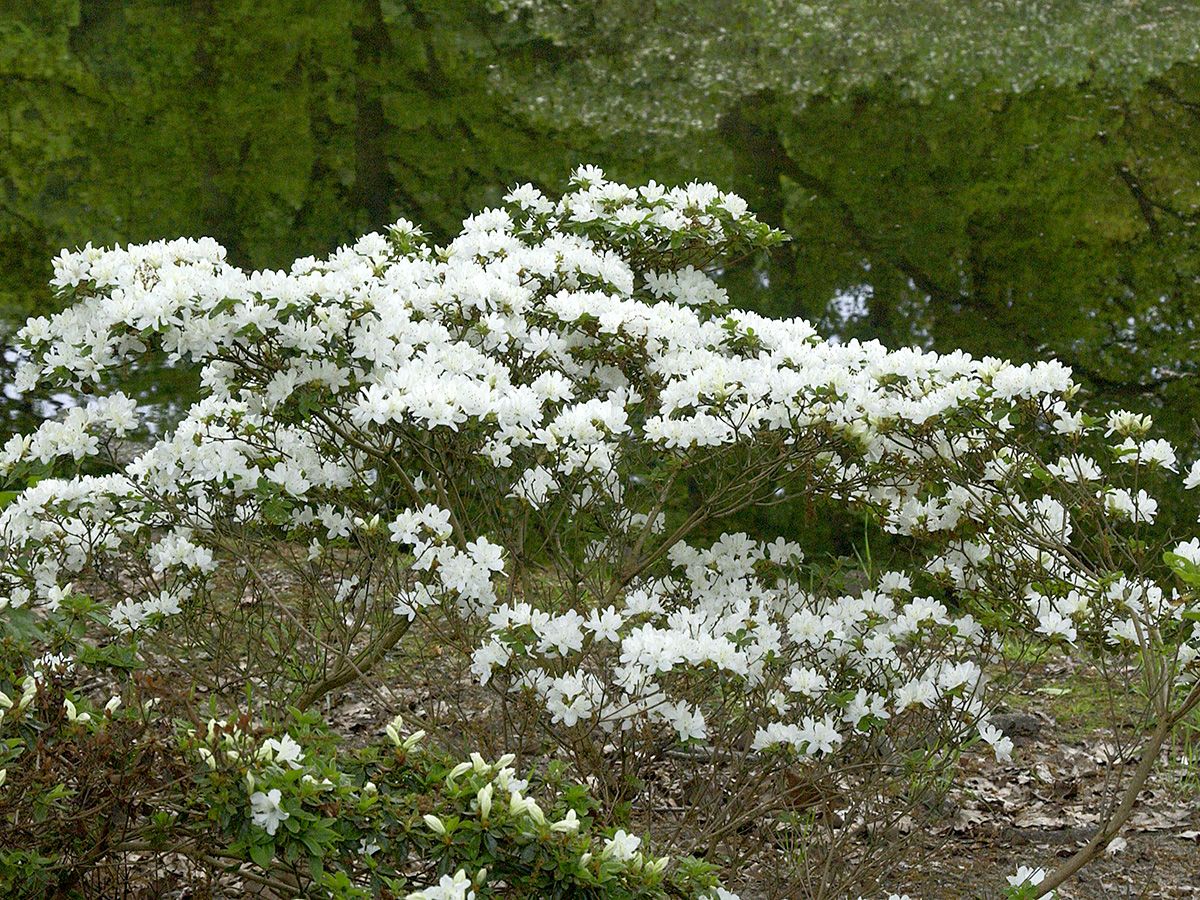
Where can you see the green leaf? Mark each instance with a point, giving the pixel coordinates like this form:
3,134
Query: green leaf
277,511
314,846
262,854
1188,571
113,656
21,623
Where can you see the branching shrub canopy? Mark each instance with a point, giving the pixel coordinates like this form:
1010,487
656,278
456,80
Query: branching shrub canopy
517,441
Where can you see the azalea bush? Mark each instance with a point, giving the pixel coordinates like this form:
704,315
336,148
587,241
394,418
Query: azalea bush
117,790
537,448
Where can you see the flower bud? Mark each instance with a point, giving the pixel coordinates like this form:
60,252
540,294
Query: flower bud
413,739
534,811
567,824
485,800
28,692
74,715
393,733
434,823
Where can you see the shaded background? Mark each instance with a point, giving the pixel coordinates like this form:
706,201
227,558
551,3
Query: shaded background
1013,178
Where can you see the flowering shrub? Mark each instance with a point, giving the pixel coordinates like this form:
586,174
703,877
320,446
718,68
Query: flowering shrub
510,440
386,818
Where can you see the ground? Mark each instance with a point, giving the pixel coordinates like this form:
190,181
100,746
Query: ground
1035,810
1043,806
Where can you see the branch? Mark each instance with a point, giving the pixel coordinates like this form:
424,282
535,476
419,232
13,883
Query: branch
1116,821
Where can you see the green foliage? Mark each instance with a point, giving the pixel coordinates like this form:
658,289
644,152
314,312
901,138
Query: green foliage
379,820
82,787
680,64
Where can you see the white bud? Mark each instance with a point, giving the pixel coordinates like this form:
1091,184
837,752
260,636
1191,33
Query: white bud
434,823
534,811
567,824
485,800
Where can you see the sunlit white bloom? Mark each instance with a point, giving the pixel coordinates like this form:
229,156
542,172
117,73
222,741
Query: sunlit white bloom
622,845
266,811
1001,745
449,887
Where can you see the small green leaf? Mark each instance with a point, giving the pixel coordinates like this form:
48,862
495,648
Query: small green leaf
262,854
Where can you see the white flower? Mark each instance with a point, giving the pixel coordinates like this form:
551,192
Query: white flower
1189,550
265,810
285,750
1192,479
455,887
622,846
605,624
1001,745
1028,876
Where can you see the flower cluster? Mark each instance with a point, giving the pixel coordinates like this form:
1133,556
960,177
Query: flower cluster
813,670
516,434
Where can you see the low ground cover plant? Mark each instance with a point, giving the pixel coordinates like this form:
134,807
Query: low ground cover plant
538,446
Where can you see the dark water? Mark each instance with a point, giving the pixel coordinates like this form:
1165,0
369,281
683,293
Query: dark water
1054,217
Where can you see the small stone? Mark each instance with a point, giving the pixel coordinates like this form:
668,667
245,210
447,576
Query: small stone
1021,727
